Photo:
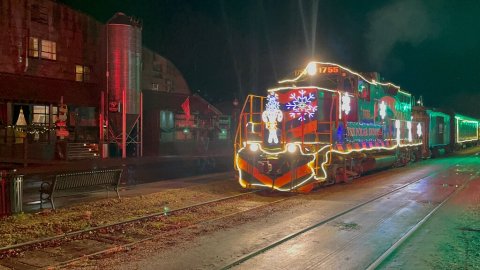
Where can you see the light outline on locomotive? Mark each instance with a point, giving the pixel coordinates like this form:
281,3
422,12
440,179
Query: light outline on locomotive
313,155
314,64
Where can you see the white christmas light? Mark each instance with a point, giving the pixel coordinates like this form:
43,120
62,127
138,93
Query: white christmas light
419,130
373,81
397,126
383,109
346,103
409,127
271,116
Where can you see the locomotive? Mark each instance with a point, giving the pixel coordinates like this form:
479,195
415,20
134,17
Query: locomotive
330,124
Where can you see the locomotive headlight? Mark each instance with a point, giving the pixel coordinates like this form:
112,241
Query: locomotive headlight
312,69
254,147
291,148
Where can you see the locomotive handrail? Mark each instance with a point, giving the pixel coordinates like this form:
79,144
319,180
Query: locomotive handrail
238,133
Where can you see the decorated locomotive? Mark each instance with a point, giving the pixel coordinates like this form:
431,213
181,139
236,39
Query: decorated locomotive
327,125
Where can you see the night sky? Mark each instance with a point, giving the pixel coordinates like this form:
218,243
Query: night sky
230,48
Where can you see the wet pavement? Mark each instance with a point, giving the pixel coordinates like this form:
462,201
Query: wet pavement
450,239
355,240
350,242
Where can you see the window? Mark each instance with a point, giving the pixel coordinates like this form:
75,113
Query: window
82,73
41,115
33,47
49,50
46,50
39,13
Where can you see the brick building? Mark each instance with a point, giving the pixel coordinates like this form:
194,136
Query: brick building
50,53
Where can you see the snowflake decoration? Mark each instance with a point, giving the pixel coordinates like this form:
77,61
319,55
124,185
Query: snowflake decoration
383,109
419,130
346,103
301,105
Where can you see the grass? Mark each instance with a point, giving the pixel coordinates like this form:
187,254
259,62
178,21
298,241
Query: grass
27,227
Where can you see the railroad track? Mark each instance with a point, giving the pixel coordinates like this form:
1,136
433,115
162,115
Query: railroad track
116,237
124,235
382,257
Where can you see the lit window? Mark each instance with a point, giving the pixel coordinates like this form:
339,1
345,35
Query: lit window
33,47
49,50
41,115
82,73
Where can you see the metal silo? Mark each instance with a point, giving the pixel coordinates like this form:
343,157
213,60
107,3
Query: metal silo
124,49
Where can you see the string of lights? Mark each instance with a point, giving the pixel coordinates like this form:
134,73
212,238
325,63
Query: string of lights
30,129
311,70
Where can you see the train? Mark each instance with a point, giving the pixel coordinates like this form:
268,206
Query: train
329,124
447,131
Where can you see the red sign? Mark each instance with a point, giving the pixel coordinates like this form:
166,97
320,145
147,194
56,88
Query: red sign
186,108
62,112
62,133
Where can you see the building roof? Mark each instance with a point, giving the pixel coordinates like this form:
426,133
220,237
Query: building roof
121,18
173,101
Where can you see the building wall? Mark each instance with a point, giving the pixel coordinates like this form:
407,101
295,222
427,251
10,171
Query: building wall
159,74
79,40
28,80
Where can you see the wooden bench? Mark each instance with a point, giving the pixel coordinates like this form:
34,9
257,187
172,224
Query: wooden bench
79,182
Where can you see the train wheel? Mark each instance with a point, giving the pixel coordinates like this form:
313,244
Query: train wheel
414,156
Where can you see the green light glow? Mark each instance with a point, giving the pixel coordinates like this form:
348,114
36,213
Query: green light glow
466,128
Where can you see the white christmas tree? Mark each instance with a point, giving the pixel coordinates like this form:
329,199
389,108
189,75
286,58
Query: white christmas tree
21,119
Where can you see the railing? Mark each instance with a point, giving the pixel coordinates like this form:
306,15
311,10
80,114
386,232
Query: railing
247,111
